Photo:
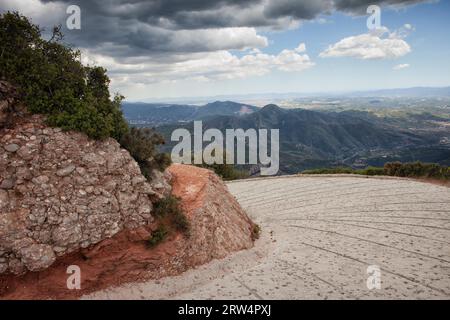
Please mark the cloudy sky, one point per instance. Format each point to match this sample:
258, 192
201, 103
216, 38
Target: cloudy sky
180, 48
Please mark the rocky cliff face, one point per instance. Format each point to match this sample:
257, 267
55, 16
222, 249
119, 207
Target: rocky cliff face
219, 227
61, 191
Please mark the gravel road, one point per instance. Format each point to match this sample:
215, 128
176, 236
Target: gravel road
324, 237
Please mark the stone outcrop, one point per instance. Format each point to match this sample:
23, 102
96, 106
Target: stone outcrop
61, 191
218, 223
218, 227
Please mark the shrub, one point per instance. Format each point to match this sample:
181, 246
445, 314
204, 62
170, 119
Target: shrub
256, 231
397, 169
181, 222
141, 143
417, 169
371, 171
166, 206
170, 209
51, 80
225, 171
391, 168
336, 170
158, 236
162, 161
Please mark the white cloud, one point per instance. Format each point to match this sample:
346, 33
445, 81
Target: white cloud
201, 67
292, 61
408, 26
401, 66
301, 48
374, 45
44, 14
218, 39
402, 32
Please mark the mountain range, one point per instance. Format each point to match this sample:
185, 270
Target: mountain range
152, 114
311, 139
417, 92
412, 92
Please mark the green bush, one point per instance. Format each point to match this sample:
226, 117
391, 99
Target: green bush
226, 171
170, 208
371, 171
336, 170
417, 169
141, 143
181, 222
396, 169
256, 232
391, 168
158, 236
51, 80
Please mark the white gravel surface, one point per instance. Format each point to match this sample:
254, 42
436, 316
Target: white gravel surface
319, 236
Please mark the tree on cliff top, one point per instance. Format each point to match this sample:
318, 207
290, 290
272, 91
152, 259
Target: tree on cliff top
51, 80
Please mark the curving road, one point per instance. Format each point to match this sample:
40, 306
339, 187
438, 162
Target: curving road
321, 235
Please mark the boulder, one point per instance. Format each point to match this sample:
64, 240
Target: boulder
66, 171
61, 192
12, 147
37, 257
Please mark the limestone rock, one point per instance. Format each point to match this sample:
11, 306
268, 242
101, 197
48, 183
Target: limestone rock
61, 192
8, 183
37, 257
160, 183
65, 171
12, 147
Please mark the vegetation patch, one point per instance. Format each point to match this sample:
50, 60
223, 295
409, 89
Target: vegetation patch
142, 143
226, 171
396, 169
370, 171
51, 80
256, 232
157, 236
170, 217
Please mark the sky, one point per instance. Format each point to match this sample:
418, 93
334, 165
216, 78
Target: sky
156, 49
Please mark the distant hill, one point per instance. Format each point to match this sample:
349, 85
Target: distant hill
311, 139
417, 92
251, 98
148, 114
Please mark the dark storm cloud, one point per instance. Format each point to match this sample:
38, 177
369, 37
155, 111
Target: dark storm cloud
300, 9
152, 11
127, 28
360, 6
136, 27
198, 14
